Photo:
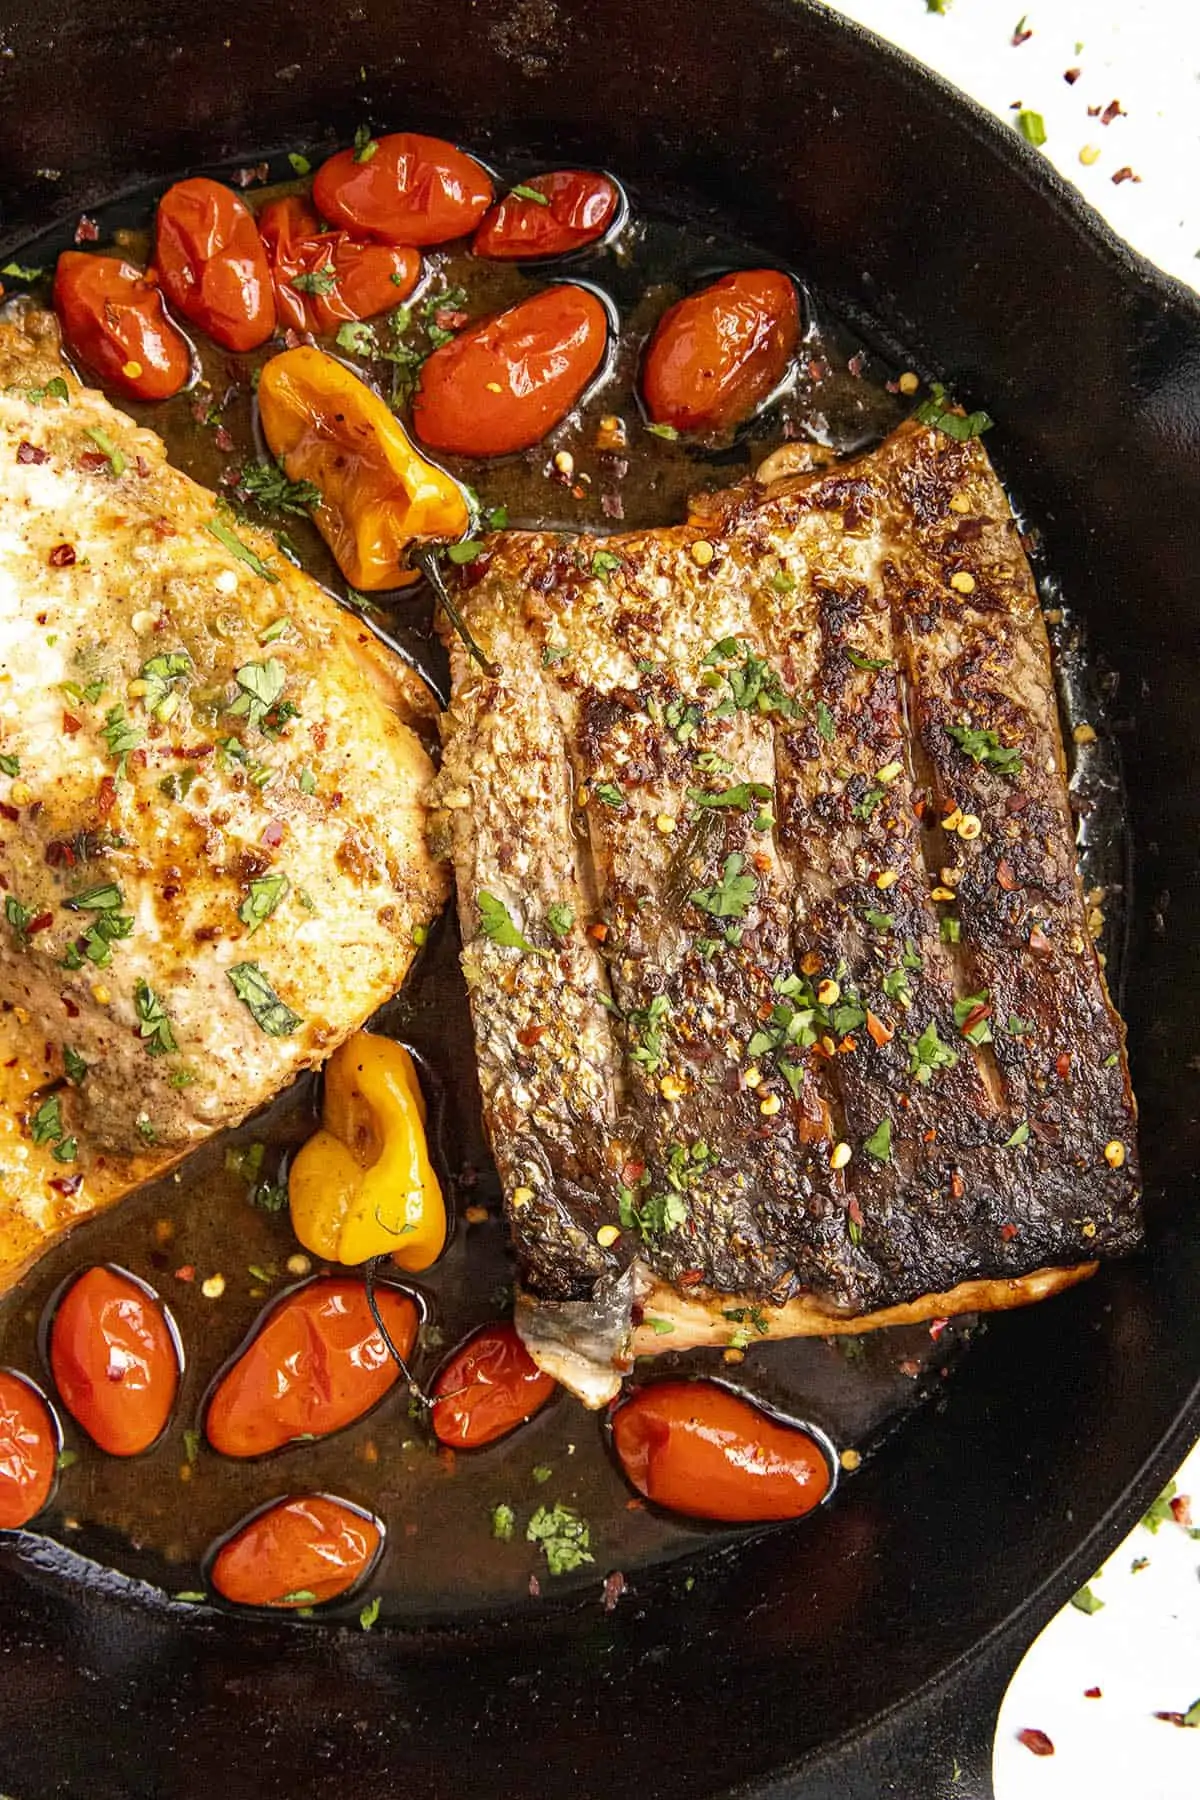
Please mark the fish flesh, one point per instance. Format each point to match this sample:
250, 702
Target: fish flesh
785, 999
212, 807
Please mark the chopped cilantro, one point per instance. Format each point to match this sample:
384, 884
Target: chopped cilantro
315, 281
868, 800
879, 1144
153, 1024
73, 1063
356, 337
783, 581
554, 653
743, 795
261, 685
120, 736
1086, 1602
825, 725
264, 1005
1032, 127
160, 675
10, 765
300, 164
523, 192
560, 918
270, 488
21, 272
879, 921
949, 929
307, 781
1160, 1509
1019, 1136
541, 1473
504, 1521
104, 896
937, 411
264, 896
730, 897
609, 793
983, 746
645, 1026
928, 1053
19, 918
663, 431
465, 552
370, 1613
45, 1125
243, 552
498, 924
866, 662
55, 389
605, 563
976, 1030
117, 461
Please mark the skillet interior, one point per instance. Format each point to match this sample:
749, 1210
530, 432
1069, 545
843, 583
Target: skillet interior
907, 206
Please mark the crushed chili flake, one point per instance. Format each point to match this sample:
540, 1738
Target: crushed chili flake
31, 453
612, 506
69, 1007
222, 439
1021, 34
1125, 174
1062, 1065
62, 555
93, 461
40, 922
1092, 1694
1035, 1740
142, 467
186, 1273
1005, 877
1071, 76
1174, 1718
1114, 110
614, 1586
1008, 1233
9, 812
66, 1184
936, 1328
958, 1186
530, 1035
1039, 943
87, 231
857, 362
71, 724
106, 799
535, 1588
1181, 1505
910, 1368
272, 833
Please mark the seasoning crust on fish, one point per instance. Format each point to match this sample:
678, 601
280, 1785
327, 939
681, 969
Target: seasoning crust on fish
773, 928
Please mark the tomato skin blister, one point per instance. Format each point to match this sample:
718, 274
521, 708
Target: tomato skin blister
487, 1388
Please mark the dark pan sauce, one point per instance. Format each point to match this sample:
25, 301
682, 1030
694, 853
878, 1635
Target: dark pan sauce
152, 1518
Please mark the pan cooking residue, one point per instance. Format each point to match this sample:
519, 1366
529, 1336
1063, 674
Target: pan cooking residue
213, 1239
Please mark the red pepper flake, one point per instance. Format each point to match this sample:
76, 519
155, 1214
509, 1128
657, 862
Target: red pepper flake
936, 1328
186, 1273
817, 370
1008, 1233
1035, 1740
958, 1186
69, 1006
535, 1588
599, 931
1005, 876
1175, 1718
910, 1368
1093, 112
1181, 1505
447, 319
142, 467
614, 1586
31, 453
106, 799
272, 834
1092, 1694
531, 1035
1062, 1066
40, 922
880, 1033
63, 555
87, 231
691, 1277
1021, 33
1125, 174
9, 812
66, 1184
1114, 110
1039, 943
857, 362
71, 724
635, 1506
91, 460
854, 1211
1071, 76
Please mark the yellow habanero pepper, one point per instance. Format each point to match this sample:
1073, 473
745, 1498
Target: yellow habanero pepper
363, 1185
378, 493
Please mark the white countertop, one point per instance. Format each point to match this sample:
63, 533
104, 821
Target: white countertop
1141, 1646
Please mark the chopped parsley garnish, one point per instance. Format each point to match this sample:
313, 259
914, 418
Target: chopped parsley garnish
300, 164
265, 1007
117, 461
783, 581
315, 281
605, 563
465, 552
356, 337
264, 896
504, 1521
65, 1150
91, 693
10, 765
541, 1473
825, 725
524, 192
753, 686
730, 897
950, 930
307, 781
270, 488
1032, 127
105, 896
554, 653
879, 921
19, 917
1018, 1027
983, 746
895, 985
45, 1125
21, 272
927, 1053
563, 1535
743, 795
120, 736
972, 1015
860, 661
73, 1063
370, 1613
1019, 1136
160, 675
658, 1215
153, 1024
879, 1144
911, 958
109, 926
261, 685
867, 801
55, 389
609, 793
646, 1033
498, 924
243, 552
798, 1020
1160, 1509
663, 431
748, 1315
936, 411
560, 918
682, 718
1086, 1602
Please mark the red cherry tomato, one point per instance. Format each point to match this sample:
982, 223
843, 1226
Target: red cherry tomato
580, 209
340, 278
716, 354
508, 380
28, 1451
212, 265
696, 1448
489, 1386
317, 1363
403, 188
113, 323
114, 1360
297, 1553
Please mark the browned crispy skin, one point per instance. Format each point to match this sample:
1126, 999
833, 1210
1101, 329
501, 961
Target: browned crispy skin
810, 796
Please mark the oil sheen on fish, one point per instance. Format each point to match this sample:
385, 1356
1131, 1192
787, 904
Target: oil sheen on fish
786, 1004
212, 844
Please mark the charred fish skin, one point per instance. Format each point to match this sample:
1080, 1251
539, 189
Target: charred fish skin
814, 750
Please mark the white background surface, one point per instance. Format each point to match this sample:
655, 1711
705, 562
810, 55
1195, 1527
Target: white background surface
1142, 1650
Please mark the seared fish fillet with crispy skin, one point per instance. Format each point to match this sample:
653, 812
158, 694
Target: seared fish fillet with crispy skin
791, 1014
212, 846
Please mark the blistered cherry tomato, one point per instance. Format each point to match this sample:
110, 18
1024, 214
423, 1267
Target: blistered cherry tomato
212, 265
297, 1553
716, 354
113, 323
325, 278
578, 208
404, 189
28, 1451
698, 1449
317, 1363
487, 1388
114, 1360
505, 382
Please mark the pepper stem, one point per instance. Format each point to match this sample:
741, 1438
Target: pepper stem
414, 1387
426, 558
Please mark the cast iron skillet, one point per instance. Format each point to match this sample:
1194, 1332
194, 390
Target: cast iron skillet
863, 1653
